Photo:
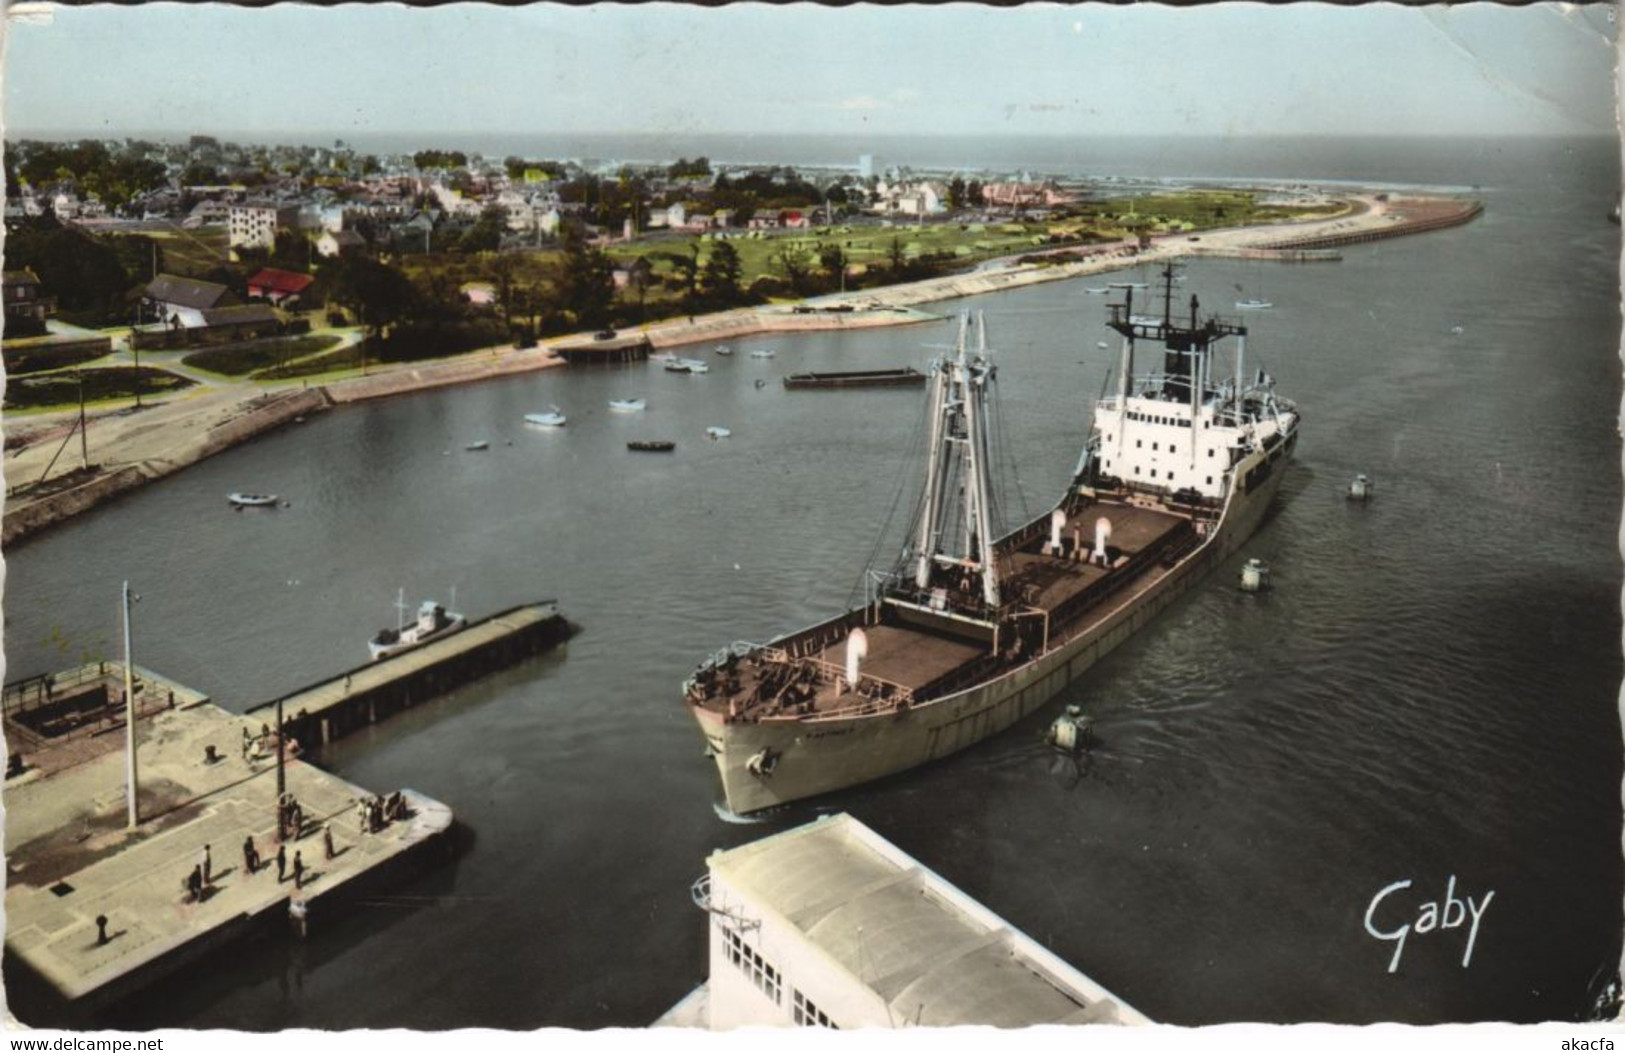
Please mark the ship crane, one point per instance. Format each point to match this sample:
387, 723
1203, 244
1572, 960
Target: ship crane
956, 505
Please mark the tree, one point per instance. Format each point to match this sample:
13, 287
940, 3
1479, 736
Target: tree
486, 233
501, 269
689, 267
956, 194
379, 294
587, 283
640, 273
832, 258
894, 254
789, 261
722, 273
973, 194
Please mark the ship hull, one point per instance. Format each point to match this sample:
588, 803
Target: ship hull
817, 756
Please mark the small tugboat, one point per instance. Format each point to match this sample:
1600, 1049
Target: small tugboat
649, 446
433, 622
252, 500
975, 625
627, 405
554, 419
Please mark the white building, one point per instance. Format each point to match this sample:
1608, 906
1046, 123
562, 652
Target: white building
832, 925
255, 226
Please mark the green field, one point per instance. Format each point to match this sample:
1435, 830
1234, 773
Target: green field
46, 353
236, 360
192, 252
62, 389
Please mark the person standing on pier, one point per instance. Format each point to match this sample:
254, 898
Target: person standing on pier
298, 871
206, 865
327, 839
281, 863
251, 856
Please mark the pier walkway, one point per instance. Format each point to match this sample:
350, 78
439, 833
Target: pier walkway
324, 711
70, 858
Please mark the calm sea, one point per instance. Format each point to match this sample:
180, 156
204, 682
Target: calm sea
1429, 694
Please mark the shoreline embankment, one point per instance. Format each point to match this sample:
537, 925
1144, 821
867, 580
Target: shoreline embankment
189, 437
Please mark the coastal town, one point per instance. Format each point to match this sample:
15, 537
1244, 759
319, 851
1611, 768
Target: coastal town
223, 289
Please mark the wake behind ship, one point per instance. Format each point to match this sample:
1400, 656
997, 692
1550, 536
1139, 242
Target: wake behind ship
966, 634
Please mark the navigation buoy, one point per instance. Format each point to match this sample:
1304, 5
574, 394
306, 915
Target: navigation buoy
1360, 488
1255, 576
1070, 732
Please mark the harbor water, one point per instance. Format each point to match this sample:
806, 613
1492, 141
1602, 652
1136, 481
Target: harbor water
1427, 694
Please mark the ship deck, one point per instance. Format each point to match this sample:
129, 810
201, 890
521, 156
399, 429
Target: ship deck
907, 658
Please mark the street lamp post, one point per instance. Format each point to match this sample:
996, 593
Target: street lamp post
132, 813
281, 777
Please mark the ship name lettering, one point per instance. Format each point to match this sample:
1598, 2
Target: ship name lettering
1448, 913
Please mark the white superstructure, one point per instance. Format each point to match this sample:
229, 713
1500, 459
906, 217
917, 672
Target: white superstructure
1182, 427
831, 925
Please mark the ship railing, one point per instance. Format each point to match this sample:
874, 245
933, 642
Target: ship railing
879, 694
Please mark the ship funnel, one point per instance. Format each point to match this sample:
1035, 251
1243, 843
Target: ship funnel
1057, 520
1103, 533
857, 648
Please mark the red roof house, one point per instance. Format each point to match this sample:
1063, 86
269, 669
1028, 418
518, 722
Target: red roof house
277, 286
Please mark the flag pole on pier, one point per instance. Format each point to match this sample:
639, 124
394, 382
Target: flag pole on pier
133, 817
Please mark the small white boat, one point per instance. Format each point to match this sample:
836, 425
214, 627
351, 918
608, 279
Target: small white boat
554, 419
1101, 291
724, 349
718, 432
252, 500
481, 444
1101, 343
1253, 305
433, 622
627, 405
762, 353
694, 365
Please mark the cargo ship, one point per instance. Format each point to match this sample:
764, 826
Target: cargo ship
973, 628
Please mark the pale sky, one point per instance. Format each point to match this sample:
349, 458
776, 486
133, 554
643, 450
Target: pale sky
1042, 69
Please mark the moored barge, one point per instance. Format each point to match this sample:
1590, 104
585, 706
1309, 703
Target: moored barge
861, 378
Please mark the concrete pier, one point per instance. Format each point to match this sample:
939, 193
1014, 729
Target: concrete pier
368, 693
70, 858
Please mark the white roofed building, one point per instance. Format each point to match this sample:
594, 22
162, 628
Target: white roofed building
831, 925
